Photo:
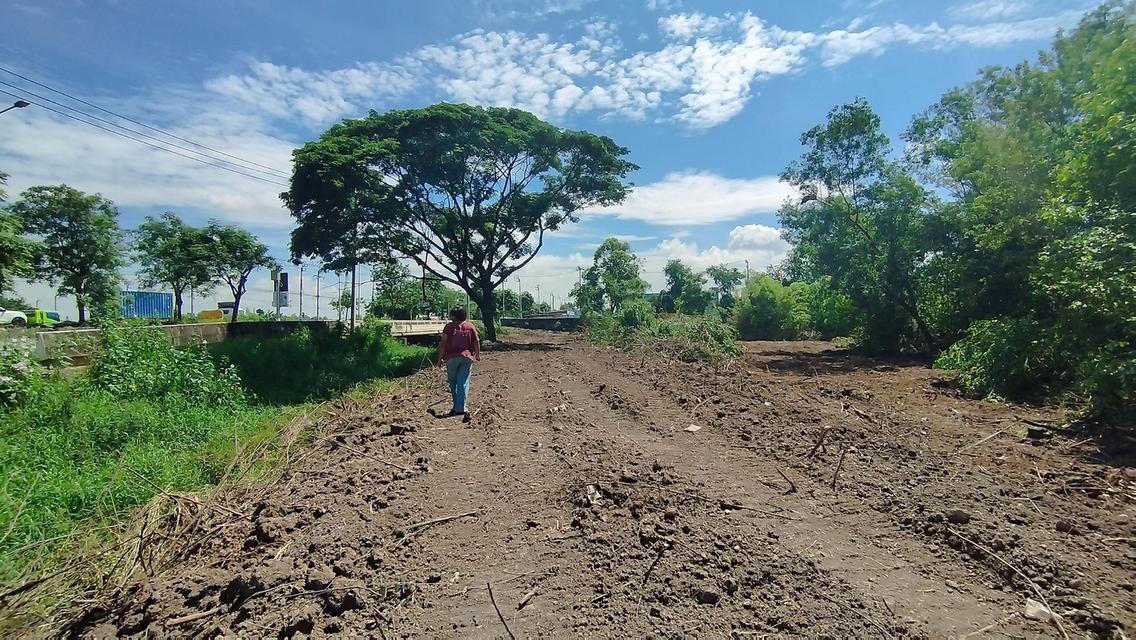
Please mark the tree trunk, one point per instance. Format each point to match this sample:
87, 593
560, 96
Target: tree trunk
488, 305
177, 304
81, 303
237, 303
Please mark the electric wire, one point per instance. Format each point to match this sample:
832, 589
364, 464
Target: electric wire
148, 144
143, 124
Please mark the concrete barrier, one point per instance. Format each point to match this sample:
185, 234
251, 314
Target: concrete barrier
77, 344
564, 323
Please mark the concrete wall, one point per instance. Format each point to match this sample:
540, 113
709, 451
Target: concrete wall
77, 344
545, 324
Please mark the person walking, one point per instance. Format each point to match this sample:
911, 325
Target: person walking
460, 348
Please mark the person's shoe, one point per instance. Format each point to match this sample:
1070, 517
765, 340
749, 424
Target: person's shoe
467, 417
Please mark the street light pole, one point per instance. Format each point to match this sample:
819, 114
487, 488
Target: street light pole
19, 104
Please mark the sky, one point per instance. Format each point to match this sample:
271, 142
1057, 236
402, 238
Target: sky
710, 96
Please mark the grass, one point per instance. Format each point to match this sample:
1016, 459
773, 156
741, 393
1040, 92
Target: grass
79, 456
315, 364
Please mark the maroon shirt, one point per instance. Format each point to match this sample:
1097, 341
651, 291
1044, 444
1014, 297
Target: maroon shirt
460, 339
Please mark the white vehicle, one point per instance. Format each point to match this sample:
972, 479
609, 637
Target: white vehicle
18, 318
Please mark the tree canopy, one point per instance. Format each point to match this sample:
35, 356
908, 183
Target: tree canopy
170, 252
234, 255
80, 246
612, 280
468, 193
16, 251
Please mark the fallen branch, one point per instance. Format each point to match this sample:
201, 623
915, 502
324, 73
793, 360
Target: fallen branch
792, 487
192, 617
839, 464
975, 444
654, 562
1036, 589
498, 609
819, 442
526, 599
422, 525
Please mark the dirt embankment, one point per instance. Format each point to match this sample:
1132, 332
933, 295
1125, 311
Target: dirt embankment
822, 495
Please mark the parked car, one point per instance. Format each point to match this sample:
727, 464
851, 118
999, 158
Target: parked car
17, 318
42, 318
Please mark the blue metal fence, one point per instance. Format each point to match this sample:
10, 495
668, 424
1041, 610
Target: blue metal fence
147, 304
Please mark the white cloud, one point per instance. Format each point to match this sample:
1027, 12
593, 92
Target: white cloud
663, 5
989, 9
839, 47
695, 198
701, 76
40, 148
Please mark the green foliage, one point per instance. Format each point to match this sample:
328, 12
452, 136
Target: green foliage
173, 253
861, 223
685, 291
80, 245
612, 280
768, 311
141, 362
309, 364
701, 338
466, 192
72, 449
1033, 260
233, 255
726, 279
16, 251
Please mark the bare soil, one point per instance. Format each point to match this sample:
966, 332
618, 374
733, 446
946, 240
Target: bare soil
580, 502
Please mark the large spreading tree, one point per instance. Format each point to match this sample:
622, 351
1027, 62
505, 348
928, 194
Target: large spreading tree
80, 246
173, 253
467, 193
612, 280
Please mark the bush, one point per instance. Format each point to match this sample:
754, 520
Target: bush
315, 364
695, 338
1003, 356
767, 311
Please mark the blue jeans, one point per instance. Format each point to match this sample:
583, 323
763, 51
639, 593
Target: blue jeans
458, 370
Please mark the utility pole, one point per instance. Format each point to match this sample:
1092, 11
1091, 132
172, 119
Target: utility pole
747, 271
319, 274
191, 312
301, 290
538, 300
520, 305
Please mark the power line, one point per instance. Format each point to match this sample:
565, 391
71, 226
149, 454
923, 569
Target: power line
131, 131
142, 124
149, 144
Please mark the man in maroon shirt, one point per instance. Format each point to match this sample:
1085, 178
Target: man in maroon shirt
460, 348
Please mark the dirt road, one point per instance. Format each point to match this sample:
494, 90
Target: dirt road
581, 502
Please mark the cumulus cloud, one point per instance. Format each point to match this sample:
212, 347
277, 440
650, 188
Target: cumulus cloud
696, 198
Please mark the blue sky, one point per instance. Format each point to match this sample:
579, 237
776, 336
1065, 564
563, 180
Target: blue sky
710, 97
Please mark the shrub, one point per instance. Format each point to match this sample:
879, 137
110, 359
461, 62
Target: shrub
314, 364
703, 338
767, 311
1002, 356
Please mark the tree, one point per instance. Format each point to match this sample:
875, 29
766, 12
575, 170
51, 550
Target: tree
234, 255
467, 193
725, 279
685, 292
80, 245
172, 253
527, 303
16, 251
860, 221
508, 301
612, 280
